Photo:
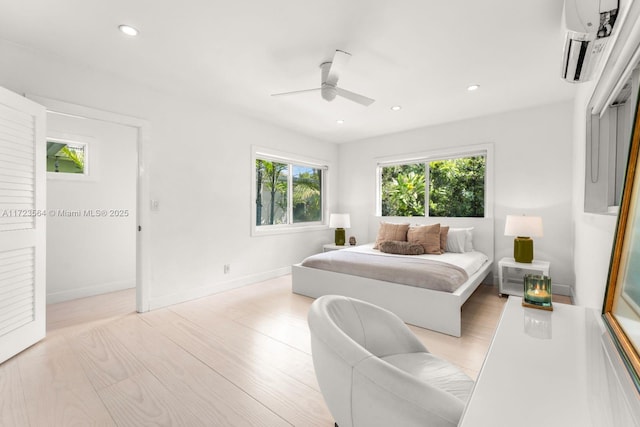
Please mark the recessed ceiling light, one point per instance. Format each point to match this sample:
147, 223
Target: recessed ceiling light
128, 30
340, 122
396, 108
471, 88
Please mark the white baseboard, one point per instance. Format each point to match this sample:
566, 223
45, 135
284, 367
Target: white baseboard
561, 290
215, 288
89, 291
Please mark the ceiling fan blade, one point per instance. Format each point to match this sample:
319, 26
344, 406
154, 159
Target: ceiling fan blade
338, 64
352, 96
295, 92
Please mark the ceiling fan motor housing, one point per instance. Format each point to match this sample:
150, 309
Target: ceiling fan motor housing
327, 91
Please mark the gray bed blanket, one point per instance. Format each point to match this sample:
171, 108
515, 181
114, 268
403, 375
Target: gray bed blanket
408, 270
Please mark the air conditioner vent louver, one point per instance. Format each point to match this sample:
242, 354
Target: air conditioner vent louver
589, 24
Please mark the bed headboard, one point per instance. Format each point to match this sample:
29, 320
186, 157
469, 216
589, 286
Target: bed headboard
483, 233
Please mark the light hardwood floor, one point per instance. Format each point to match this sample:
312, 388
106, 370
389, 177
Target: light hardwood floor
237, 358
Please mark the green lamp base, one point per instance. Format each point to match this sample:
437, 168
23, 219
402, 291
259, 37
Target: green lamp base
340, 237
523, 249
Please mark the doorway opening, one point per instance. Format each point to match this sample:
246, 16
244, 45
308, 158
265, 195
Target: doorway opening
100, 215
91, 207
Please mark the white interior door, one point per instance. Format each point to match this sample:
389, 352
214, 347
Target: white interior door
22, 223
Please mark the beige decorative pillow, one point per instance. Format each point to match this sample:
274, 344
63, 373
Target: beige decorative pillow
389, 231
444, 231
401, 248
426, 235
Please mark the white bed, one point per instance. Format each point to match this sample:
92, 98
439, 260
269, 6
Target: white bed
436, 310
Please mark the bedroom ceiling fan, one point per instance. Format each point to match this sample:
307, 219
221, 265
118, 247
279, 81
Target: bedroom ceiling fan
330, 73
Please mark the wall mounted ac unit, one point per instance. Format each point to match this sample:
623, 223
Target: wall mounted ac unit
588, 23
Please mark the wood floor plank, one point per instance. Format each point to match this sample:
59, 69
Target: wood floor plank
257, 346
283, 327
58, 393
142, 401
13, 409
105, 360
292, 400
87, 312
194, 385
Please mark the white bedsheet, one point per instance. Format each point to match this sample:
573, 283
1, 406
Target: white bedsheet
468, 261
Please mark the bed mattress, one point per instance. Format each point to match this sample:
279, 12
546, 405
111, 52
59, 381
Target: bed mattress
444, 272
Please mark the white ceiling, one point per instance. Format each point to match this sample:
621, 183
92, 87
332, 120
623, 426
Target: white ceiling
421, 54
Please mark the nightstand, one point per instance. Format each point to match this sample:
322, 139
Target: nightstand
511, 274
333, 247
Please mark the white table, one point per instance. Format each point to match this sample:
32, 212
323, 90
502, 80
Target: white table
536, 364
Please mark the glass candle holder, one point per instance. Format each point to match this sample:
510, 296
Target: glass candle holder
537, 291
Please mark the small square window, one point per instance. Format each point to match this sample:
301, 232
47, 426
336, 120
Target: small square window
66, 157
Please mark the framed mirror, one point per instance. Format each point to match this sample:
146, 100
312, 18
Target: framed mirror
621, 309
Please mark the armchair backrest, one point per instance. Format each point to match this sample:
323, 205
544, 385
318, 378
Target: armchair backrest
344, 332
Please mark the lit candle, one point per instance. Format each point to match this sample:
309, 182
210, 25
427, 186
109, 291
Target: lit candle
538, 295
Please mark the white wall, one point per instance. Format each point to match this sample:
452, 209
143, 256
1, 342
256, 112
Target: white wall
532, 170
89, 254
199, 163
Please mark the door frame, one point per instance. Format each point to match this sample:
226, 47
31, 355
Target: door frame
143, 209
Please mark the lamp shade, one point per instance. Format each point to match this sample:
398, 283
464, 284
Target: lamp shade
339, 220
520, 225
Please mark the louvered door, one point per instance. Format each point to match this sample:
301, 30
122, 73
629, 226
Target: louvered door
22, 223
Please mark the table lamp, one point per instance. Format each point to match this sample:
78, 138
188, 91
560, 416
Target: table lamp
339, 221
523, 228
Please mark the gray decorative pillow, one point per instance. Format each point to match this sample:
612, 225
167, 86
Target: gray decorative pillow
401, 248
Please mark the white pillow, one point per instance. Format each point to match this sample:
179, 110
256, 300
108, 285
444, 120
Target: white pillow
468, 243
460, 240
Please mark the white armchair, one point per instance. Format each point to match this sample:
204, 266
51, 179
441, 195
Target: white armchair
373, 371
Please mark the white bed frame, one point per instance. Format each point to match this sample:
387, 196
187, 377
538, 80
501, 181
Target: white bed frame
436, 310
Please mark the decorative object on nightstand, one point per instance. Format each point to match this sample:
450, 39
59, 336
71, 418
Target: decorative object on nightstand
352, 241
523, 228
339, 221
537, 291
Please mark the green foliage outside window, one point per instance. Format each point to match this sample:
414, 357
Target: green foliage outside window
307, 194
456, 188
271, 184
403, 190
65, 158
272, 193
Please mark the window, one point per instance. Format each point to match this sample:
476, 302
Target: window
288, 193
66, 157
609, 131
448, 186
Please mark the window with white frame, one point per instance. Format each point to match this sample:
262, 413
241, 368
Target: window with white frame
438, 185
288, 192
67, 157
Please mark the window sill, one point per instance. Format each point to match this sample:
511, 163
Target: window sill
267, 230
62, 176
